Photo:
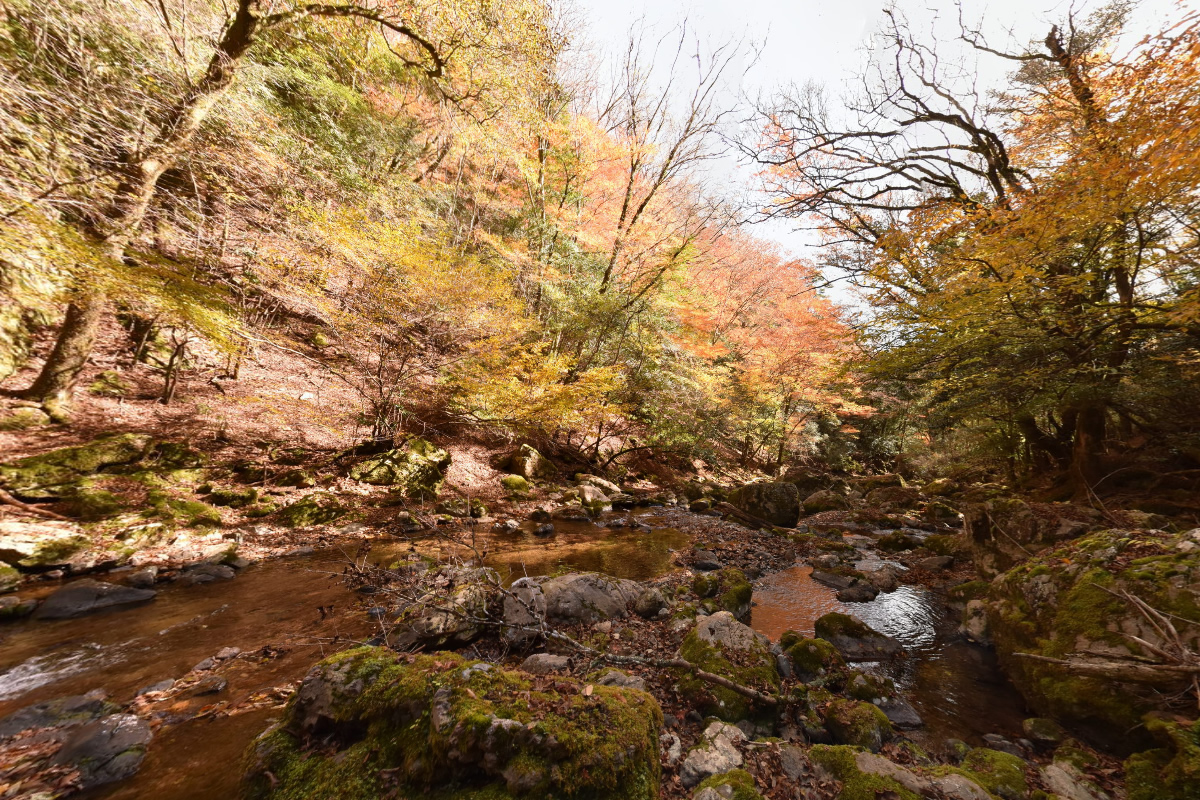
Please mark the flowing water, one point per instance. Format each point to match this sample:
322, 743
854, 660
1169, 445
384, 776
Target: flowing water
279, 614
957, 688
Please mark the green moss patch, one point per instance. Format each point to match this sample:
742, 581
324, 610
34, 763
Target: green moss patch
315, 509
739, 781
856, 723
838, 760
1166, 773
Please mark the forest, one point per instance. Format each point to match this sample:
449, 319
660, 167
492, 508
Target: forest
415, 398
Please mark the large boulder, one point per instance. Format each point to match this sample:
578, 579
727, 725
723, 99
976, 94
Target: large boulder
716, 754
371, 723
452, 614
54, 475
857, 723
825, 500
528, 463
604, 485
726, 590
418, 468
723, 646
594, 501
776, 503
588, 597
88, 597
1003, 531
1071, 602
319, 508
854, 639
40, 544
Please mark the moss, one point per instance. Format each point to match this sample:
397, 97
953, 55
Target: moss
706, 584
736, 592
9, 577
895, 542
382, 739
186, 512
812, 657
96, 504
418, 469
260, 510
862, 686
1002, 774
514, 484
789, 638
856, 723
315, 509
53, 475
838, 760
109, 383
754, 668
300, 478
233, 498
944, 544
740, 781
971, 590
1167, 773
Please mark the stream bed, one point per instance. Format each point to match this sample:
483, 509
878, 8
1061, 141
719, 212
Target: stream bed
286, 613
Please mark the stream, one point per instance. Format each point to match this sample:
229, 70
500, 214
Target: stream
271, 611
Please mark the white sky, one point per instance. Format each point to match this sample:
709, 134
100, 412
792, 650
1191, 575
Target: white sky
822, 40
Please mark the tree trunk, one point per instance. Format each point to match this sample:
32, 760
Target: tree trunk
1089, 446
71, 351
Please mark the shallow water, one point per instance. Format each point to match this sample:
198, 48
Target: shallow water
957, 688
272, 605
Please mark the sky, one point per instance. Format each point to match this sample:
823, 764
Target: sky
823, 40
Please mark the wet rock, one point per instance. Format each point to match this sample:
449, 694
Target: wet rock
88, 597
16, 607
545, 663
524, 609
418, 469
860, 592
623, 501
854, 639
700, 506
997, 742
55, 713
161, 686
109, 749
716, 754
588, 597
723, 646
775, 502
1044, 732
39, 545
883, 579
901, 714
545, 529
209, 684
206, 573
205, 665
507, 526
975, 625
144, 578
383, 731
650, 602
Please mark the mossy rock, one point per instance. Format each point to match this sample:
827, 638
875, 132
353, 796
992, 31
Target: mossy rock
319, 340
53, 475
515, 485
812, 658
185, 512
839, 761
462, 508
109, 383
1066, 599
233, 498
895, 542
24, 419
943, 544
723, 646
96, 504
869, 688
418, 468
370, 723
315, 509
10, 577
857, 723
260, 510
729, 589
733, 785
837, 624
299, 478
1002, 774
39, 544
1171, 772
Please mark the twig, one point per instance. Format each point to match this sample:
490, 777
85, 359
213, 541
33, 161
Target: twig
9, 500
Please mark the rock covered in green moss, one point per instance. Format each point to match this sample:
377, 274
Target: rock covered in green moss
842, 762
1169, 772
811, 658
319, 508
370, 723
527, 462
10, 577
514, 484
53, 475
736, 784
854, 639
729, 590
825, 500
1002, 774
418, 468
857, 723
452, 615
723, 646
1067, 600
39, 545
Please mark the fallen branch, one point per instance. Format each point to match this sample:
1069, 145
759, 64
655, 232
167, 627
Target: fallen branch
1121, 670
9, 500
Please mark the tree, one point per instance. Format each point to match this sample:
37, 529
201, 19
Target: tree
1029, 258
437, 43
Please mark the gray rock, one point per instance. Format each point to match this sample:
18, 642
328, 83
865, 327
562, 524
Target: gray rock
649, 603
860, 592
614, 677
143, 578
878, 765
87, 597
1068, 783
545, 529
161, 686
854, 639
709, 793
776, 503
959, 787
54, 713
207, 573
545, 663
975, 625
39, 544
447, 617
716, 755
795, 763
507, 526
588, 597
901, 713
593, 500
724, 630
706, 560
998, 742
605, 486
673, 747
524, 608
205, 665
934, 563
106, 750
824, 500
784, 666
226, 653
209, 684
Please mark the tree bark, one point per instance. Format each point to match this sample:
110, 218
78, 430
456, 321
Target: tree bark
1089, 446
54, 385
